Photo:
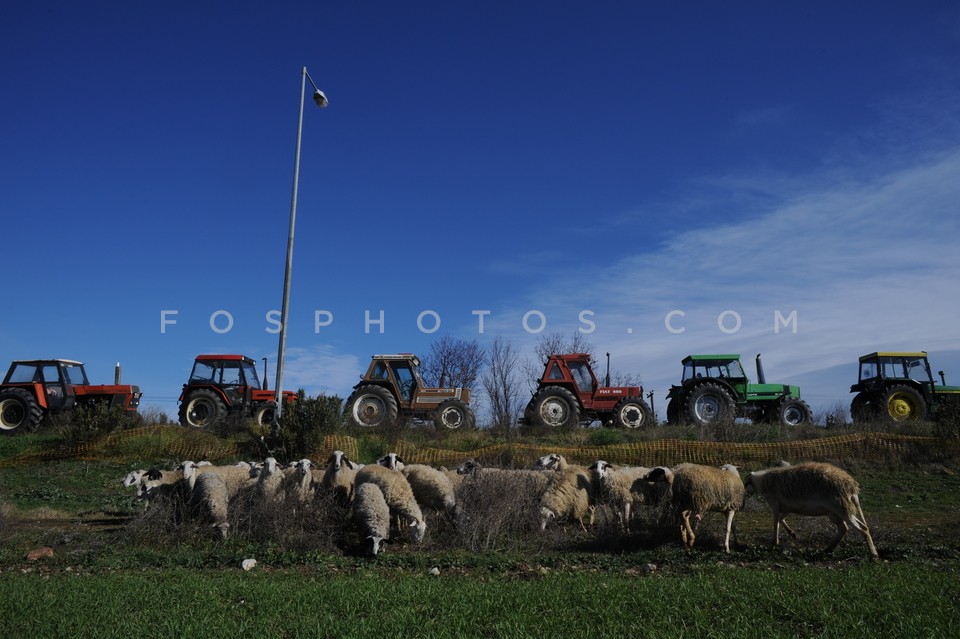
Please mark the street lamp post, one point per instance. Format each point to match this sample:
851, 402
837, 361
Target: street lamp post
321, 101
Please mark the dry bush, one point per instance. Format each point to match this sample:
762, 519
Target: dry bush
499, 510
318, 524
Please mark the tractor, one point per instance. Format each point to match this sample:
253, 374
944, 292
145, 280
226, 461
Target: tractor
715, 388
568, 394
225, 385
392, 388
35, 388
897, 387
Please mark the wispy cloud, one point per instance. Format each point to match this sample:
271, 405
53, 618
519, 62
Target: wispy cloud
321, 369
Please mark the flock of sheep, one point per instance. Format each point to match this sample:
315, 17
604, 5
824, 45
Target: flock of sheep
389, 497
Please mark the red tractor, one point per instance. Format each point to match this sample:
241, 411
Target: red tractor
34, 388
224, 385
568, 393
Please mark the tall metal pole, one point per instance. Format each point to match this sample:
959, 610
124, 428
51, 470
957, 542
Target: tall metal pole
286, 273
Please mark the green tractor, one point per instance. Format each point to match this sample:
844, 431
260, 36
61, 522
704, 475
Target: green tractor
898, 387
715, 388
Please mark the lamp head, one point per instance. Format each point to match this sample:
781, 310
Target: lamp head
320, 98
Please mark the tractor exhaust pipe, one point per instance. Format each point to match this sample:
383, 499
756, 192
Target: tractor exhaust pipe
607, 381
265, 374
761, 378
943, 377
116, 374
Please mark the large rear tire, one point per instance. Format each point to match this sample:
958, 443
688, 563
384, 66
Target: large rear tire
903, 404
673, 412
453, 414
370, 406
19, 411
555, 407
709, 404
793, 412
202, 408
632, 412
863, 408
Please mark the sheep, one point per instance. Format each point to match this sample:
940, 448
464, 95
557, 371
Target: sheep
301, 483
432, 488
340, 477
209, 495
399, 495
372, 515
391, 461
813, 489
553, 461
622, 487
697, 489
156, 483
569, 495
537, 479
270, 480
133, 477
234, 477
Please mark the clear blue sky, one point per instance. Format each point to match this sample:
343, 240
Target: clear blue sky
625, 158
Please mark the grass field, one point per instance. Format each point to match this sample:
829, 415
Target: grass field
118, 573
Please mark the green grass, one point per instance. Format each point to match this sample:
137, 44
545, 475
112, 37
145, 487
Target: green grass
116, 580
716, 601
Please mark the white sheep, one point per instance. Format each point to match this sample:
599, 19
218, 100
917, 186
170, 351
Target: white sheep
340, 477
372, 516
301, 483
234, 477
553, 461
209, 498
537, 480
270, 481
569, 495
812, 489
432, 488
696, 490
399, 495
622, 487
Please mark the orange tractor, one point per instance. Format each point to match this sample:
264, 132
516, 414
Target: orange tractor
35, 388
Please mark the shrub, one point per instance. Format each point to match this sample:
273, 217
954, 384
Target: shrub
304, 423
88, 422
946, 424
499, 510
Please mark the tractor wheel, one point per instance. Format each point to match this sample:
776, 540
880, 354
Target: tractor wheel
18, 411
202, 408
632, 412
863, 408
263, 414
903, 404
709, 403
791, 411
453, 414
371, 406
555, 407
672, 412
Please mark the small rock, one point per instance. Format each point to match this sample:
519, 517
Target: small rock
435, 571
39, 553
650, 567
248, 564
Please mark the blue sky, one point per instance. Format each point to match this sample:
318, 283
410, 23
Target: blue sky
625, 158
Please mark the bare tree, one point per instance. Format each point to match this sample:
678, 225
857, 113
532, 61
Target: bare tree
452, 363
501, 383
558, 343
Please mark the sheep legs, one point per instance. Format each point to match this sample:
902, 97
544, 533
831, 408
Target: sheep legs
686, 530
